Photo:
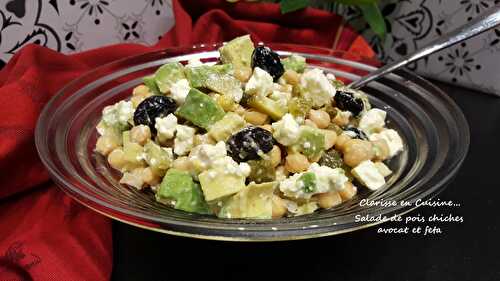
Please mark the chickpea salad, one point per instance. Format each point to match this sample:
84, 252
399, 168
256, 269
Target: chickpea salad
252, 136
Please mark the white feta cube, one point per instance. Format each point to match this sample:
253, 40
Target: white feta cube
179, 91
317, 87
204, 156
118, 115
392, 138
326, 179
383, 169
231, 167
260, 83
287, 130
184, 140
133, 179
281, 97
166, 127
367, 174
372, 121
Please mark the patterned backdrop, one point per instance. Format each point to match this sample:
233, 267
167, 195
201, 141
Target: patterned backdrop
76, 25
414, 23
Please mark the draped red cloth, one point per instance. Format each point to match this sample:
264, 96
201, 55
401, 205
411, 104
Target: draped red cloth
44, 234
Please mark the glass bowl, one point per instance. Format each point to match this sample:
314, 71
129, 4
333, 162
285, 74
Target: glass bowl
434, 130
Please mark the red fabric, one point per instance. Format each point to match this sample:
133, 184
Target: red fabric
45, 235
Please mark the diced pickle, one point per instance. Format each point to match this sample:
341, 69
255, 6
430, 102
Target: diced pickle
261, 170
295, 63
311, 142
299, 106
308, 182
333, 159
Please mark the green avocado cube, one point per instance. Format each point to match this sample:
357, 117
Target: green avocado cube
268, 106
168, 74
225, 84
217, 183
158, 158
238, 52
132, 153
178, 186
311, 142
252, 202
200, 109
294, 62
150, 82
224, 128
198, 76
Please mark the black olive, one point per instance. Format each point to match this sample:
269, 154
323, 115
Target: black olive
346, 101
151, 108
269, 61
246, 144
355, 133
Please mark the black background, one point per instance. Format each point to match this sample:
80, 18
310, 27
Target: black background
465, 251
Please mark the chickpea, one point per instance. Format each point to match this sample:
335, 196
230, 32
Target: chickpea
226, 102
329, 199
381, 149
267, 127
140, 134
341, 119
315, 158
255, 117
281, 173
310, 123
133, 178
279, 207
296, 162
240, 110
275, 156
140, 90
243, 73
283, 88
182, 163
341, 142
105, 144
139, 94
116, 159
203, 139
348, 191
357, 151
288, 88
291, 77
320, 118
330, 138
149, 177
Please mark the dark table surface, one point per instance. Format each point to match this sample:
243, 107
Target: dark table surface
464, 251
